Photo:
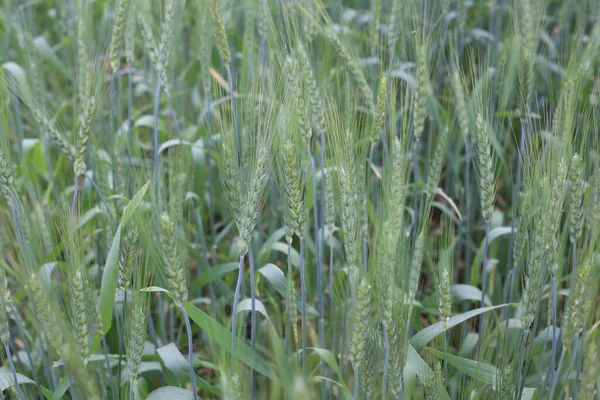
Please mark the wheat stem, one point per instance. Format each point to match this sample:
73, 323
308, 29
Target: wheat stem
155, 140
129, 127
107, 361
188, 327
252, 318
520, 372
483, 282
303, 287
554, 336
318, 240
287, 302
25, 345
356, 388
14, 371
555, 377
386, 361
236, 296
511, 239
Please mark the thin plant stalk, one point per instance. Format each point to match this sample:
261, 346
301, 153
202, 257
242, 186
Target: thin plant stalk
171, 324
155, 140
445, 356
236, 296
14, 372
49, 167
318, 240
303, 284
76, 192
211, 288
190, 351
120, 341
386, 361
331, 281
26, 346
211, 184
173, 115
252, 318
483, 282
321, 247
129, 126
120, 356
514, 207
520, 371
287, 303
554, 336
554, 379
356, 388
161, 311
573, 357
415, 189
111, 378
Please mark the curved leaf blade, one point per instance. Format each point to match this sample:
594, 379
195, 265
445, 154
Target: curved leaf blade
483, 372
421, 338
108, 286
222, 336
171, 393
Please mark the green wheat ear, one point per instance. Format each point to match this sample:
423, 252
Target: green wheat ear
121, 17
219, 32
175, 271
4, 296
379, 110
7, 184
486, 168
580, 303
590, 368
576, 199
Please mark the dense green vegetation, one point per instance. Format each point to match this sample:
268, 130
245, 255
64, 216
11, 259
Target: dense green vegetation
300, 199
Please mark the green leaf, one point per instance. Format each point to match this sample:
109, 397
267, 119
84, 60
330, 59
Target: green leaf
463, 292
61, 389
49, 55
147, 121
113, 360
246, 305
443, 194
178, 371
529, 393
108, 286
222, 336
420, 339
6, 379
171, 393
328, 358
19, 77
278, 280
476, 266
172, 143
153, 289
175, 363
283, 249
483, 372
417, 367
213, 274
33, 156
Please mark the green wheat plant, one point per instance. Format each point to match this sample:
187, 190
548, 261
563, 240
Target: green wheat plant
299, 199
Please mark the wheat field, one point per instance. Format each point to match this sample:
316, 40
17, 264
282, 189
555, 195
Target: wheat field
300, 199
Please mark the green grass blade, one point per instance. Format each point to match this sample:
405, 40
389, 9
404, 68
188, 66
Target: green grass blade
421, 338
111, 268
222, 336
